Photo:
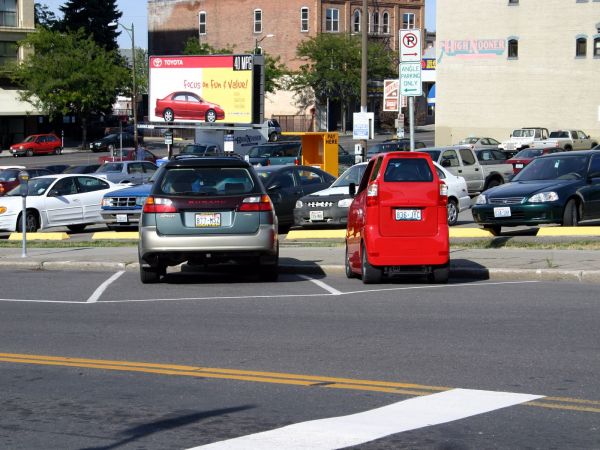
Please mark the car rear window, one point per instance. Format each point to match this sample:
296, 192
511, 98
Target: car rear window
408, 169
110, 167
206, 181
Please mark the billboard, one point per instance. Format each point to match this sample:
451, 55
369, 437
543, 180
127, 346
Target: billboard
211, 88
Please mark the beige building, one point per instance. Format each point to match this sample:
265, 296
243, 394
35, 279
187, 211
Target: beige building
17, 118
507, 64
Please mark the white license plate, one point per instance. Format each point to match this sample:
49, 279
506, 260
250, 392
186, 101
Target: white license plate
208, 220
502, 211
122, 218
519, 166
316, 215
408, 214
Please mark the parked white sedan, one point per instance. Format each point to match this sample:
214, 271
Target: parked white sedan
69, 200
458, 196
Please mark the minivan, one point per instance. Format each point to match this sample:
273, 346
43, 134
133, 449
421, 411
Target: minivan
398, 221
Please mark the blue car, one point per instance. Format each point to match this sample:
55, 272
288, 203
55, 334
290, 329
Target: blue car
123, 208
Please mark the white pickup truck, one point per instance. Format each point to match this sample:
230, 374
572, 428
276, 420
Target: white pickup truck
524, 138
567, 139
481, 169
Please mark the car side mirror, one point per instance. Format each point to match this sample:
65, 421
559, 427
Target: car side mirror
53, 193
352, 189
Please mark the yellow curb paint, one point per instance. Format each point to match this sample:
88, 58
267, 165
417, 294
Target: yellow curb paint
116, 235
316, 234
469, 233
569, 231
39, 236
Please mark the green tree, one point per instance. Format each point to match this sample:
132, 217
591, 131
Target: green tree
44, 16
98, 18
332, 67
141, 70
194, 47
69, 74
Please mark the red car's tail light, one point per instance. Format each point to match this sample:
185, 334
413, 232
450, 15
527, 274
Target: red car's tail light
159, 205
296, 162
256, 203
372, 194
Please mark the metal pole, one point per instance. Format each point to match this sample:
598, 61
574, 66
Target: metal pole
411, 120
327, 118
120, 141
24, 228
363, 67
134, 92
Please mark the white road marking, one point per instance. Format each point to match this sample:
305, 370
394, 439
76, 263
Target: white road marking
100, 290
355, 429
319, 283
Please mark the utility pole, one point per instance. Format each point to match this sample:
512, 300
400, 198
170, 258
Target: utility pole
363, 68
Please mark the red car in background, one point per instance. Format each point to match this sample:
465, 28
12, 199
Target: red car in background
527, 155
37, 144
398, 222
187, 105
9, 176
129, 154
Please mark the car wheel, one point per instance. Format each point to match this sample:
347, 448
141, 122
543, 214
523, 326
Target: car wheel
269, 272
150, 274
593, 145
57, 151
452, 211
568, 148
494, 229
273, 137
29, 152
439, 274
570, 214
31, 222
370, 274
349, 272
78, 228
168, 115
210, 116
493, 183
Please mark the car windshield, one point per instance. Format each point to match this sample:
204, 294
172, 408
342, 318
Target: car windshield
30, 139
37, 187
435, 154
193, 149
8, 175
559, 134
529, 153
471, 140
351, 175
196, 181
554, 168
523, 133
110, 167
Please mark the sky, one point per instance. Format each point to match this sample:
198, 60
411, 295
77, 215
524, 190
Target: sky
134, 12
430, 15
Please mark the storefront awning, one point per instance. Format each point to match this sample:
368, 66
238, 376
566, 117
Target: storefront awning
431, 96
10, 105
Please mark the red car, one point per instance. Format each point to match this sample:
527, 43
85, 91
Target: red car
398, 222
187, 105
129, 154
527, 155
9, 176
38, 144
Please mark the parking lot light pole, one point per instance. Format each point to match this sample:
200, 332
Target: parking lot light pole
258, 41
131, 33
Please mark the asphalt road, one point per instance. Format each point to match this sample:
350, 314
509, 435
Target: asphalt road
226, 356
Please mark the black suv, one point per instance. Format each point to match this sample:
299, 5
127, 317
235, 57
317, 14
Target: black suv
207, 210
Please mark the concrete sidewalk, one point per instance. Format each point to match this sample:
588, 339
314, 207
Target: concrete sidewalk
492, 264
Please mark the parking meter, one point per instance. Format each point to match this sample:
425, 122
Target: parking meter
24, 189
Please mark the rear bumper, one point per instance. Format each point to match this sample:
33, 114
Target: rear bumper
408, 251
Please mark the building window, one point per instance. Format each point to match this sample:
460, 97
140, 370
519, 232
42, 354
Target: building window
597, 47
408, 21
385, 25
581, 47
513, 49
8, 52
202, 22
375, 28
304, 19
258, 20
356, 21
332, 20
513, 2
8, 13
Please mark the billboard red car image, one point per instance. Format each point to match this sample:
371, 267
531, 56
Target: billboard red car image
187, 105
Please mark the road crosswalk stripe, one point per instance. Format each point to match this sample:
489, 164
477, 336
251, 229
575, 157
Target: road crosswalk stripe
356, 429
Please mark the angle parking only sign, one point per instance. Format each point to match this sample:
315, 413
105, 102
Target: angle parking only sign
410, 62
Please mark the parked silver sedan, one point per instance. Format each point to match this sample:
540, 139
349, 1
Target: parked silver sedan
135, 172
476, 142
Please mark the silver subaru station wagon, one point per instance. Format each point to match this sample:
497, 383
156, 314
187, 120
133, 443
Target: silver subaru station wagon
208, 211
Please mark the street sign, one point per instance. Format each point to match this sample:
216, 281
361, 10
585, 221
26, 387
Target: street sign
168, 138
363, 126
410, 45
391, 95
410, 79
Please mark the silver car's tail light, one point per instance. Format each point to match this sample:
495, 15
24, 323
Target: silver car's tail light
159, 205
256, 203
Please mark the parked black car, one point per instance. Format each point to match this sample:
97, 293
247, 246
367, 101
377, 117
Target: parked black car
86, 168
393, 145
112, 141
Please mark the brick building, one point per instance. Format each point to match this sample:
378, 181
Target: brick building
277, 26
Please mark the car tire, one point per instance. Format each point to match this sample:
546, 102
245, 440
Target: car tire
31, 222
168, 115
568, 148
269, 272
29, 152
452, 211
570, 214
77, 228
210, 116
57, 151
273, 137
594, 144
348, 267
150, 275
370, 274
493, 183
439, 274
496, 230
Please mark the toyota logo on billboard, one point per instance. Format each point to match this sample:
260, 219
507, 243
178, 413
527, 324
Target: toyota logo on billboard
157, 62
